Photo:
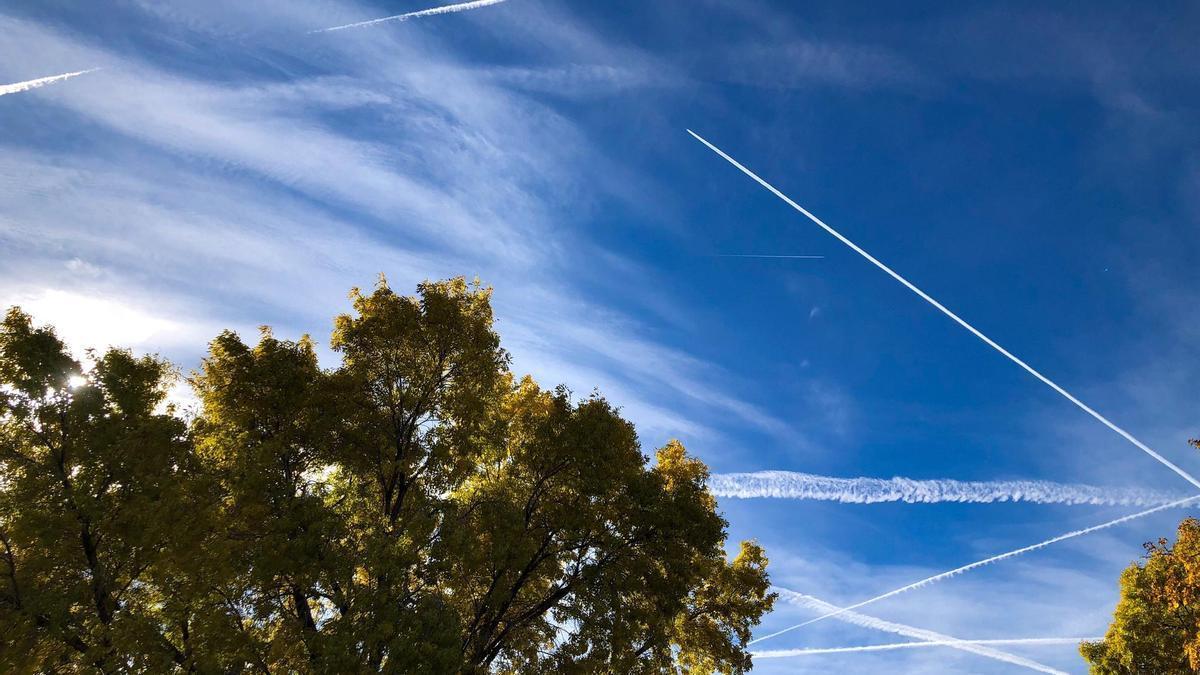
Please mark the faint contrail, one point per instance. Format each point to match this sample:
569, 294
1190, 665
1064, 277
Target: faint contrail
866, 621
445, 9
40, 82
924, 296
756, 255
785, 653
794, 485
987, 561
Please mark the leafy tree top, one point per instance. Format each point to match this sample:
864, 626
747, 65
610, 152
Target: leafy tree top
416, 509
1156, 626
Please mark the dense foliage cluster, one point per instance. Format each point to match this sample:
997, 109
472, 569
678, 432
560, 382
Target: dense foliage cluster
416, 509
1156, 627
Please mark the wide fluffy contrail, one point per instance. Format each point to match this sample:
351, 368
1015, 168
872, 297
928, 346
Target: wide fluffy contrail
786, 653
974, 331
803, 600
444, 9
795, 485
986, 561
18, 87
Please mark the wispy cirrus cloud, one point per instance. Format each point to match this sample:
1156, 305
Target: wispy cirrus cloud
583, 81
94, 321
274, 208
802, 62
866, 621
1187, 501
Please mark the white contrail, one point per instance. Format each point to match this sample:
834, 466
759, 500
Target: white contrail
786, 653
924, 296
987, 561
866, 621
445, 9
795, 485
40, 82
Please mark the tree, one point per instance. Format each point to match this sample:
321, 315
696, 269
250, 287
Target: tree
1156, 627
416, 509
93, 493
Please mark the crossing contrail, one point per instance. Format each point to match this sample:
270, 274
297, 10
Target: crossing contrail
987, 561
18, 87
803, 600
445, 9
795, 485
974, 331
786, 653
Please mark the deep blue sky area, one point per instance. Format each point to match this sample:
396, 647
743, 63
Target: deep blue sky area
1034, 167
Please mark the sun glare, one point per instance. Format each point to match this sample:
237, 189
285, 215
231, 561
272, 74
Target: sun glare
93, 321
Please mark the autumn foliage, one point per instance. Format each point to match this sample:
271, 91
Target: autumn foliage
1156, 627
418, 509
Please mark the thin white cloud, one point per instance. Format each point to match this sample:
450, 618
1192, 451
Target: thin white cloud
40, 82
986, 561
796, 485
86, 321
758, 255
1003, 642
237, 228
580, 81
795, 62
942, 308
397, 176
611, 338
433, 11
866, 621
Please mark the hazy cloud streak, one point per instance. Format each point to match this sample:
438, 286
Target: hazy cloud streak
756, 255
795, 485
18, 87
974, 331
867, 621
445, 9
986, 561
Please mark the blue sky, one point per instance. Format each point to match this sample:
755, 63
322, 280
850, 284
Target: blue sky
1037, 169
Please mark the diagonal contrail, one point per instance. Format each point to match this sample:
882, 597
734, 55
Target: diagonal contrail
987, 561
445, 9
866, 621
786, 653
974, 331
796, 485
18, 87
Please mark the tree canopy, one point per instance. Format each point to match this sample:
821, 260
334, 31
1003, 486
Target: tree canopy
1156, 626
417, 509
